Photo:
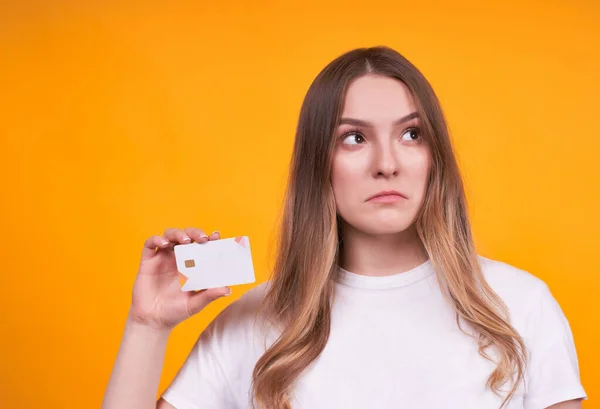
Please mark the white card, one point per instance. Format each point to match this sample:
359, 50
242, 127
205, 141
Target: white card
215, 263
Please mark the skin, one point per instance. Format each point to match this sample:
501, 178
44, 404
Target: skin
381, 238
570, 404
379, 154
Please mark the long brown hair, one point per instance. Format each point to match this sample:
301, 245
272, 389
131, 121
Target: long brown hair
298, 298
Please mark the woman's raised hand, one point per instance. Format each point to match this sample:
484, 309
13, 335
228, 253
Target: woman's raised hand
157, 299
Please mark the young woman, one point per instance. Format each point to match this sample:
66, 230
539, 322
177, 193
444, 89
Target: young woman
378, 297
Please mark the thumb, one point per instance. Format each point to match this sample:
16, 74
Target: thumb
201, 299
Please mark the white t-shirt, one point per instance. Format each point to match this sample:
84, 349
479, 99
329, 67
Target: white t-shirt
394, 343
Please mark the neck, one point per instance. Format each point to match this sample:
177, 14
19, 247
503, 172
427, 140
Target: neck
381, 254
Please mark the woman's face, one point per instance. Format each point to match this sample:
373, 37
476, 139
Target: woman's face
379, 147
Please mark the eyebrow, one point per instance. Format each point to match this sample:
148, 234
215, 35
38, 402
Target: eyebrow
367, 124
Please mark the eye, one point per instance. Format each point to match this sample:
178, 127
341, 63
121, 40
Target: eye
353, 138
413, 133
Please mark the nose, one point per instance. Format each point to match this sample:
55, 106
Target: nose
385, 161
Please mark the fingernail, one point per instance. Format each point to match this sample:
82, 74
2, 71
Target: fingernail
187, 239
164, 242
227, 294
204, 236
216, 231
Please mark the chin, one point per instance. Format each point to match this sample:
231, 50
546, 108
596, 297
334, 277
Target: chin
382, 226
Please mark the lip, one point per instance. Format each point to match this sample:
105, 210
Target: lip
386, 196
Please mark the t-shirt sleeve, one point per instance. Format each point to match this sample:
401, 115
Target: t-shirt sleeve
201, 382
553, 369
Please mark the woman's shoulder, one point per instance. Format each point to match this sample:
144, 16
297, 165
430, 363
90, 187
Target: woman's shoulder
509, 279
245, 309
250, 300
519, 289
242, 320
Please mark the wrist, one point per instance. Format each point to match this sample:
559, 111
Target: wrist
147, 327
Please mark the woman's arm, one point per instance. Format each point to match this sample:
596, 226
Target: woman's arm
136, 373
570, 404
158, 305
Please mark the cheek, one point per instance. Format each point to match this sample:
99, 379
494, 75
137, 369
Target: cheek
418, 172
345, 174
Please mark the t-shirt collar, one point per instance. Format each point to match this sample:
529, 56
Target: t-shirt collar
350, 279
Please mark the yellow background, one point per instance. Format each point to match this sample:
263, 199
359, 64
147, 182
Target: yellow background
120, 119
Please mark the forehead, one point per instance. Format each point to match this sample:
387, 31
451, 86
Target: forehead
376, 97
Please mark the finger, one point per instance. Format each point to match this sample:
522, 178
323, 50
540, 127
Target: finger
196, 234
201, 299
215, 235
151, 244
176, 236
